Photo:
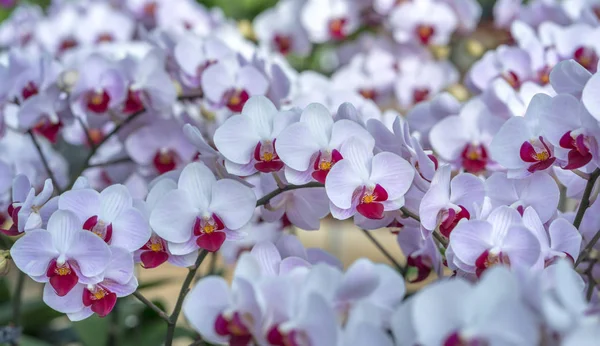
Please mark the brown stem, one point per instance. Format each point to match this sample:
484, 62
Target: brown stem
401, 268
185, 288
44, 160
264, 200
152, 306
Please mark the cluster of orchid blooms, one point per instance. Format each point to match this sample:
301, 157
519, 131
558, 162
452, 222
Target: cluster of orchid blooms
200, 140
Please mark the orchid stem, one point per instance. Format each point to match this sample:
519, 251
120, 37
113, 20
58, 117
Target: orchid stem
581, 174
185, 288
585, 200
16, 299
410, 214
112, 162
401, 269
280, 183
264, 200
95, 148
588, 248
44, 160
591, 281
151, 305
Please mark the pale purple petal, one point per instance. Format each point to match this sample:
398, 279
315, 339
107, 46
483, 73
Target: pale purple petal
85, 203
72, 302
201, 312
174, 216
90, 252
233, 202
393, 173
33, 252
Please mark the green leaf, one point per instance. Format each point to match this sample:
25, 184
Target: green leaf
26, 340
93, 331
34, 315
4, 291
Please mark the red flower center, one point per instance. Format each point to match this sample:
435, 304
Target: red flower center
62, 277
99, 228
236, 99
579, 149
97, 101
425, 33
266, 157
474, 158
337, 28
323, 164
370, 205
209, 231
235, 327
538, 154
283, 43
100, 299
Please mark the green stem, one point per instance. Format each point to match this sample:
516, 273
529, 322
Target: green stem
16, 299
440, 238
112, 162
151, 305
185, 288
264, 200
94, 149
585, 200
44, 160
401, 268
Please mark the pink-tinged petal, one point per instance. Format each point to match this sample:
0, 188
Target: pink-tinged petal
521, 245
436, 198
267, 256
236, 139
174, 216
307, 208
470, 239
20, 188
63, 226
90, 252
359, 156
318, 320
80, 315
568, 77
542, 193
506, 145
360, 280
202, 312
502, 218
296, 146
216, 80
261, 112
589, 96
33, 252
449, 137
467, 190
211, 241
69, 303
130, 230
84, 202
122, 290
114, 199
158, 191
441, 306
197, 180
120, 267
289, 245
532, 221
564, 237
300, 177
365, 334
183, 260
393, 173
233, 202
319, 122
292, 263
341, 183
344, 129
340, 213
250, 79
181, 249
320, 256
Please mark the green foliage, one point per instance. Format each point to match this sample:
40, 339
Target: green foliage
240, 9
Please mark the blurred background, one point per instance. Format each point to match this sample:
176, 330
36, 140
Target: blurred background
43, 326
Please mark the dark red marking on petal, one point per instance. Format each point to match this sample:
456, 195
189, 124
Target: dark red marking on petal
211, 241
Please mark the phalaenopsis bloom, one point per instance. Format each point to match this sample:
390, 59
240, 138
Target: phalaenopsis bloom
141, 135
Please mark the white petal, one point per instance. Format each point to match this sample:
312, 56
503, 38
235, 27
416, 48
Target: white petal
197, 180
233, 202
174, 216
114, 199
